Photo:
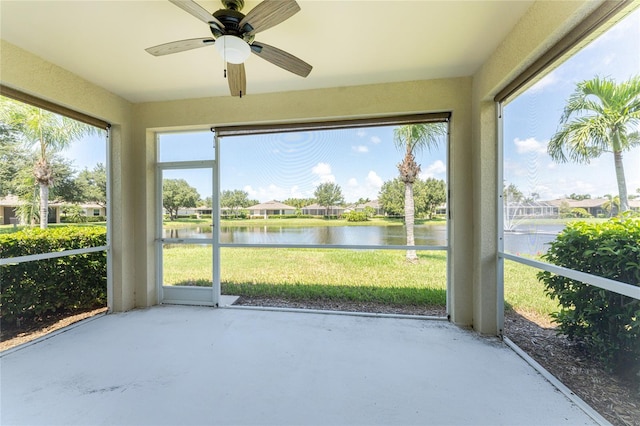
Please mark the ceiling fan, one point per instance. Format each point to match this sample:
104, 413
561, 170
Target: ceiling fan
234, 37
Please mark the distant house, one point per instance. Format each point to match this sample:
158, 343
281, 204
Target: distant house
8, 207
533, 209
10, 204
94, 209
551, 208
318, 210
595, 206
270, 208
207, 211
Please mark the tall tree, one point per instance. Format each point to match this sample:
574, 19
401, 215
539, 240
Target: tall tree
391, 197
12, 159
428, 195
93, 184
328, 195
612, 203
48, 133
25, 186
578, 197
512, 195
235, 199
433, 193
412, 139
299, 203
600, 116
176, 194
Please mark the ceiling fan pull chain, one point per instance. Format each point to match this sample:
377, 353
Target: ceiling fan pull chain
225, 70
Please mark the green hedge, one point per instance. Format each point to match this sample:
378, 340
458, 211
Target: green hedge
32, 290
356, 217
607, 323
290, 216
76, 219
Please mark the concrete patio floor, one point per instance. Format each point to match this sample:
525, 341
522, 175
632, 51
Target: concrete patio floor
178, 365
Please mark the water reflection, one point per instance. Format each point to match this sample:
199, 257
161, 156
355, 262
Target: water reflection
530, 240
325, 235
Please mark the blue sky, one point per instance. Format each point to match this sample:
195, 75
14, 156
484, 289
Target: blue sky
280, 166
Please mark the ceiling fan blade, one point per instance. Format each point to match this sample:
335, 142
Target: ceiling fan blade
180, 46
268, 14
198, 11
237, 79
281, 58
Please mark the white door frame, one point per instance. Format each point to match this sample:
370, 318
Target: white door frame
209, 296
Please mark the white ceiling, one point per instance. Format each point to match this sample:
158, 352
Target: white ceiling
347, 42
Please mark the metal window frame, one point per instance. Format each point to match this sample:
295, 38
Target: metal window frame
74, 252
230, 131
200, 295
605, 13
182, 294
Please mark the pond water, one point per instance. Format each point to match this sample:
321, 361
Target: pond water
528, 240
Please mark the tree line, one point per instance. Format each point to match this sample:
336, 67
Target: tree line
31, 168
19, 166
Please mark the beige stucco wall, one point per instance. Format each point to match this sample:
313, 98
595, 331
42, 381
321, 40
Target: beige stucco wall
26, 72
473, 176
542, 26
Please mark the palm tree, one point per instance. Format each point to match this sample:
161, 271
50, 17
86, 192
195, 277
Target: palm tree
611, 204
48, 133
600, 116
412, 139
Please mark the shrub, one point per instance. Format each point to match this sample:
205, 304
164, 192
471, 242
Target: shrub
354, 216
32, 290
607, 323
96, 219
183, 216
289, 216
577, 212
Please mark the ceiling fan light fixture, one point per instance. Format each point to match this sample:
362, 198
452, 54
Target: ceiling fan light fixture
233, 49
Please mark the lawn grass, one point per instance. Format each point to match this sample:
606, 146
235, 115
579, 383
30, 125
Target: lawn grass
523, 293
381, 276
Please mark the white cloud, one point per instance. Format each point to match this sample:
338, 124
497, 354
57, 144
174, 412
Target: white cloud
323, 171
530, 145
363, 188
375, 139
274, 192
433, 169
360, 148
361, 133
249, 190
546, 81
373, 180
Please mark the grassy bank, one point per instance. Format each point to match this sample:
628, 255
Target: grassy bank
381, 276
375, 276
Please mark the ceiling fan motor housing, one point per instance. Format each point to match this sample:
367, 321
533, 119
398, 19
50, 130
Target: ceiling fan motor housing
231, 20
